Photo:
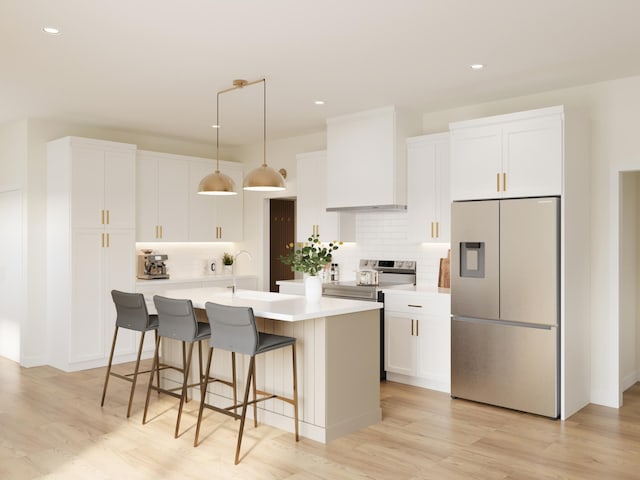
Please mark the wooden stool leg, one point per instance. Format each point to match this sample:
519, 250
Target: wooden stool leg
183, 397
203, 393
233, 381
158, 370
153, 367
295, 389
255, 403
106, 378
250, 374
135, 375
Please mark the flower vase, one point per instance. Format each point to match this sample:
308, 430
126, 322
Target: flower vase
313, 288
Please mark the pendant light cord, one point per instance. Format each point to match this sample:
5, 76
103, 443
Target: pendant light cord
264, 123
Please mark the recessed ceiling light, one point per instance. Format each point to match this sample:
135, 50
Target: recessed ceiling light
319, 102
51, 30
477, 66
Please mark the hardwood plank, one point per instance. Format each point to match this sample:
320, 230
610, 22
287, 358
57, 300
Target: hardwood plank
52, 426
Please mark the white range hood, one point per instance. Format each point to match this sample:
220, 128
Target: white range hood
366, 160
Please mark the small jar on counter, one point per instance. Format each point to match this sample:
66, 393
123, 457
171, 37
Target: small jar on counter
334, 273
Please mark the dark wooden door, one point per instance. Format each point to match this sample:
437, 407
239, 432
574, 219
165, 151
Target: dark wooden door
282, 232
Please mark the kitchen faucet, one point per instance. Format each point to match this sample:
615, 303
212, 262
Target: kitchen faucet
234, 287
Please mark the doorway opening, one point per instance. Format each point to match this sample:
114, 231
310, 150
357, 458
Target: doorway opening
282, 228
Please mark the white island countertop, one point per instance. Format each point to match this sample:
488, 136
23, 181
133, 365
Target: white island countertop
275, 306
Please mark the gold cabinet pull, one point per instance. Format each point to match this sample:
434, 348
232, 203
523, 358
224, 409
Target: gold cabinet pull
431, 229
220, 232
160, 231
504, 182
107, 217
412, 327
156, 231
437, 229
497, 182
102, 240
108, 240
101, 217
417, 327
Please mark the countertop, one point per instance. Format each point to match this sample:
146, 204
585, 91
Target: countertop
276, 306
190, 279
417, 289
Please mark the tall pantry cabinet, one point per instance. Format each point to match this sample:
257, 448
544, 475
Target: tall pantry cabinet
91, 201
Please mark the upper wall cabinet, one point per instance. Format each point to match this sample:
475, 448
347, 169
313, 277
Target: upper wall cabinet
366, 159
508, 156
214, 218
428, 198
162, 197
312, 217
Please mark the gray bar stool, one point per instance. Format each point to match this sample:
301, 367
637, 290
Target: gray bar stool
177, 320
132, 314
234, 329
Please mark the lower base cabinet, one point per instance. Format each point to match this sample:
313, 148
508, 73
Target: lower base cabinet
418, 339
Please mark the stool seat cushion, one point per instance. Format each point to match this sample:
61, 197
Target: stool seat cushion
269, 341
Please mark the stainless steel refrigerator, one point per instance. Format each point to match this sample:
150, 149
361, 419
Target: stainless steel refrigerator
505, 280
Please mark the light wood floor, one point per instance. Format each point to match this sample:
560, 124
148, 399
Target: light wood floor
52, 426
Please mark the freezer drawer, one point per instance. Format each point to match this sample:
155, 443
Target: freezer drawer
506, 365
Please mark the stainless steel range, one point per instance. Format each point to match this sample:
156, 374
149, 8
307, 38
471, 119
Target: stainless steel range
387, 273
372, 277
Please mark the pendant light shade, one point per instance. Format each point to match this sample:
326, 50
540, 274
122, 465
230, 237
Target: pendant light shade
217, 183
264, 179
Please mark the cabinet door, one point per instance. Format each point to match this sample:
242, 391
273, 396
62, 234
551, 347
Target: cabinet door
532, 157
399, 340
203, 226
146, 198
87, 325
230, 208
87, 194
428, 188
476, 163
119, 274
312, 216
434, 349
173, 200
120, 189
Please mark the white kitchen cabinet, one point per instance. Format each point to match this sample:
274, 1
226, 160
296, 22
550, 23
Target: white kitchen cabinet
87, 258
418, 339
215, 218
428, 198
508, 156
162, 197
311, 215
366, 158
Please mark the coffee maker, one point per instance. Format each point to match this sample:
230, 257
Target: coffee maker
152, 266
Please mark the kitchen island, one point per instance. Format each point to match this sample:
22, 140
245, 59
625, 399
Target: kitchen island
338, 359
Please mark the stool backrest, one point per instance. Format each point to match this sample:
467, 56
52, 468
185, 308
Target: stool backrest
131, 310
232, 328
176, 318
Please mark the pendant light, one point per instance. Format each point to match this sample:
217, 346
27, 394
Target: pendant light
217, 183
264, 178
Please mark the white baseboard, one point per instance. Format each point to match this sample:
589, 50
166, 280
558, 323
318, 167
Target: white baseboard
629, 381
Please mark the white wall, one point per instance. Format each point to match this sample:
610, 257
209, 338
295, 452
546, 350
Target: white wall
13, 258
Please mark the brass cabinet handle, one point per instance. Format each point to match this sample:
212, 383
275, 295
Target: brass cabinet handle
414, 305
101, 217
220, 237
437, 229
497, 182
102, 240
160, 231
156, 231
504, 182
108, 240
412, 327
431, 229
108, 217
417, 328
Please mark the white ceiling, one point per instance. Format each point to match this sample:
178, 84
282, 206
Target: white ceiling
155, 65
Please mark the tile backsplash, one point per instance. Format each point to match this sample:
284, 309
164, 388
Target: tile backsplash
383, 235
379, 235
